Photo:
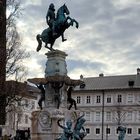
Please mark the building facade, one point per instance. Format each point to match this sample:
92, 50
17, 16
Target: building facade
19, 111
108, 102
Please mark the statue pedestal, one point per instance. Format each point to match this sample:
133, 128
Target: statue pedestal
56, 68
56, 64
44, 123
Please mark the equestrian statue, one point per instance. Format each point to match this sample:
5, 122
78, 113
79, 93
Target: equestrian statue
57, 26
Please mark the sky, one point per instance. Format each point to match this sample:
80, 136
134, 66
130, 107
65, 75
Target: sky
107, 40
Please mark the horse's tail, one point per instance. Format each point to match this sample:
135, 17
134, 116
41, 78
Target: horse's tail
39, 42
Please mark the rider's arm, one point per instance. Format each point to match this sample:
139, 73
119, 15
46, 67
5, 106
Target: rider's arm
47, 18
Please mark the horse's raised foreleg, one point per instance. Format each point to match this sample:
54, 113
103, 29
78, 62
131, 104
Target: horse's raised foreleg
71, 20
39, 42
76, 23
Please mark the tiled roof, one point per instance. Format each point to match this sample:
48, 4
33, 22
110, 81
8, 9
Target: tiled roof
110, 82
20, 88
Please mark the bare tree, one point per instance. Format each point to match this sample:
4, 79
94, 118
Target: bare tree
14, 53
119, 114
11, 54
14, 113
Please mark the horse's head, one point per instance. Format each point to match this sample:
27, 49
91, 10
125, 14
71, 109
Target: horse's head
62, 11
66, 10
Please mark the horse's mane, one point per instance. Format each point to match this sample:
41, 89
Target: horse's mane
59, 10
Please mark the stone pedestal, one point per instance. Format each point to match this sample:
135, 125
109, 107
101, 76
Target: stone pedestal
56, 64
44, 122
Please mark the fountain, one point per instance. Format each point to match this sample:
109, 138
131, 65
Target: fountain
46, 122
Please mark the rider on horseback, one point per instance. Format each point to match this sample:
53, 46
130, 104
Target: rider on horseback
50, 19
57, 25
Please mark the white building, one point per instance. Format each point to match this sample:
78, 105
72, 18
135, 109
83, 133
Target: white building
109, 101
19, 112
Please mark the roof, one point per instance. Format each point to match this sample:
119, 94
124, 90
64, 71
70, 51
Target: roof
22, 89
111, 82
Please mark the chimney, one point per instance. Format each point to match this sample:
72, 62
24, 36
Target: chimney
138, 71
81, 77
101, 75
83, 84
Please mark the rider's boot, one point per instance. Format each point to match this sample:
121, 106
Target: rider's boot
53, 31
63, 39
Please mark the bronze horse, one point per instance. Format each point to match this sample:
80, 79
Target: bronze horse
61, 24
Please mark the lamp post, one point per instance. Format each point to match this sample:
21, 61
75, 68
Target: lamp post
103, 114
107, 132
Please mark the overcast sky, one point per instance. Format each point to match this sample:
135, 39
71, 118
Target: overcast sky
107, 41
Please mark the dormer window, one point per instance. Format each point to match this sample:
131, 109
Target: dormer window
131, 83
82, 85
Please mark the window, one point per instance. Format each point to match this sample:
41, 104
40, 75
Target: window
108, 116
108, 100
129, 116
97, 130
19, 103
107, 130
119, 98
139, 98
87, 116
139, 115
26, 102
26, 119
131, 83
98, 115
129, 130
117, 131
98, 99
33, 104
130, 98
19, 117
88, 99
88, 130
78, 99
138, 130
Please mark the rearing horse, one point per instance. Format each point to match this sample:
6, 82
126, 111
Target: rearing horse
61, 24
